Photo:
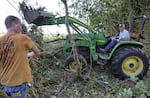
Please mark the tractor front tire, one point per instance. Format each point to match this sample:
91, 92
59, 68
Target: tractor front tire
71, 64
130, 61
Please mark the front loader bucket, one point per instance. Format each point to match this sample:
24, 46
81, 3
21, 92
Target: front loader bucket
35, 16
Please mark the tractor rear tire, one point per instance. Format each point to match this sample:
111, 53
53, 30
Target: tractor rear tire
72, 66
130, 61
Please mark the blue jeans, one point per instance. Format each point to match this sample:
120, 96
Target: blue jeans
19, 91
110, 45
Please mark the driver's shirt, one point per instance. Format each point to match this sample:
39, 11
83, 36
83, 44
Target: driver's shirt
14, 65
124, 35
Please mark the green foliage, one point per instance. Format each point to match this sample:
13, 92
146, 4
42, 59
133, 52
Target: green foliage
139, 91
147, 47
105, 15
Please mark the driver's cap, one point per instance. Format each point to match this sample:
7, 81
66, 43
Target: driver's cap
122, 25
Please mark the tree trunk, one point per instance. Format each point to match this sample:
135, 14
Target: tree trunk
75, 53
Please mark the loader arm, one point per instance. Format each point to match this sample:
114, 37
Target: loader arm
60, 20
41, 17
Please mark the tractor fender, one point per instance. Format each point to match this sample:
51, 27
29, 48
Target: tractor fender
122, 44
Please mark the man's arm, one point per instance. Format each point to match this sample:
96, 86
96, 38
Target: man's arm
34, 51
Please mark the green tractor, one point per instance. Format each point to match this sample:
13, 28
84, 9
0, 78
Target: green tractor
126, 58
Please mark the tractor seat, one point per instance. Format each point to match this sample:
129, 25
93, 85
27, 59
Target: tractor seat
135, 35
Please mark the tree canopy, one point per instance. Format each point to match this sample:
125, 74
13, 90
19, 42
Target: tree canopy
105, 15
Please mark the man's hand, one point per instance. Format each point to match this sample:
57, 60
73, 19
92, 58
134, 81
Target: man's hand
30, 54
113, 38
35, 52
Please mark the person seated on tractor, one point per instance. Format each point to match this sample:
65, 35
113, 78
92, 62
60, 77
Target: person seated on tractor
123, 35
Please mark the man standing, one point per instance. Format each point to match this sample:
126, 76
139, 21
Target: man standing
14, 66
123, 35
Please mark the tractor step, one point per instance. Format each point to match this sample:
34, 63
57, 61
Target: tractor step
103, 56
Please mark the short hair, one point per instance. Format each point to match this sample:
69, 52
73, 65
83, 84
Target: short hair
122, 25
11, 19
